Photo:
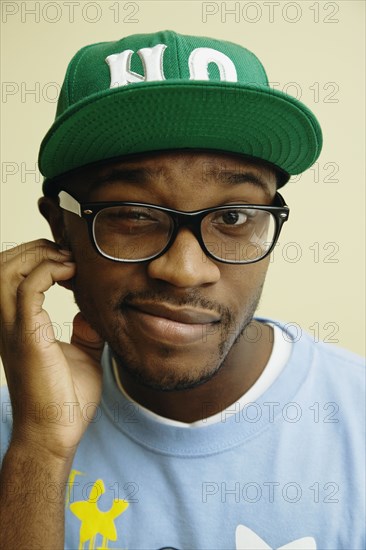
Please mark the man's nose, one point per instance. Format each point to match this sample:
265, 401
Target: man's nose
185, 264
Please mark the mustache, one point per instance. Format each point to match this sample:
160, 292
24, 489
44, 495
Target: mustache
192, 299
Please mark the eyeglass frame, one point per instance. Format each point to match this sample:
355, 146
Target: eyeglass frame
89, 210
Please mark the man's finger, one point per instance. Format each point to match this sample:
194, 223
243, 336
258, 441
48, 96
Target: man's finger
29, 295
18, 264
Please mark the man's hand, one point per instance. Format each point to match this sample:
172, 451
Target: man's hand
51, 383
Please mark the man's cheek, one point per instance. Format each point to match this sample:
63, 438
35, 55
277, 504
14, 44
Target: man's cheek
93, 304
78, 241
86, 256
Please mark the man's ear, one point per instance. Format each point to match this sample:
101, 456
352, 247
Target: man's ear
50, 210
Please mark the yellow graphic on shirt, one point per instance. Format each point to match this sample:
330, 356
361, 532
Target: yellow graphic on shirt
96, 522
70, 485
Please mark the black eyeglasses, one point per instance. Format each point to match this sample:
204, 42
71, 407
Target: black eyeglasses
140, 232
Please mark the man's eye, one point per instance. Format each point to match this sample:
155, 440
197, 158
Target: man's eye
132, 215
137, 216
231, 217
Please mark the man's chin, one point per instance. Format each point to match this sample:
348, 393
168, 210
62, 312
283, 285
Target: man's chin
168, 381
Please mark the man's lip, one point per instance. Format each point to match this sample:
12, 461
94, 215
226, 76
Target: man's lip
184, 315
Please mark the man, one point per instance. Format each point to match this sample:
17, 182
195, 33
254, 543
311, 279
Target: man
174, 419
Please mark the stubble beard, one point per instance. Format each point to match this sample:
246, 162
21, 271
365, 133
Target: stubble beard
174, 380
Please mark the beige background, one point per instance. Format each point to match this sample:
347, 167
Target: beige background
315, 49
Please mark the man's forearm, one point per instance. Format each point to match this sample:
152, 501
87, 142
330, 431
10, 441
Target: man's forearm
32, 497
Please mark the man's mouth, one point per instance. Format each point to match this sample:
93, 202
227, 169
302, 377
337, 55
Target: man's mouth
171, 325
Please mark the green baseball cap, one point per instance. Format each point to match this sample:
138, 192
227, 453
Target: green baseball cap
162, 91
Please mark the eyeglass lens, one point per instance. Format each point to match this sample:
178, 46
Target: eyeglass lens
133, 233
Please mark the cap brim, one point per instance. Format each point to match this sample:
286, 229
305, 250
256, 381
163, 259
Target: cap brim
152, 116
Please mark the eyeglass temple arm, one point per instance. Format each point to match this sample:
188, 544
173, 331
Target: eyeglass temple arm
279, 201
67, 202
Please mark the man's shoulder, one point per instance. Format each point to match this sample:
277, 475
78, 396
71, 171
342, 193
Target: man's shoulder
328, 349
6, 420
5, 402
341, 357
332, 374
340, 372
325, 361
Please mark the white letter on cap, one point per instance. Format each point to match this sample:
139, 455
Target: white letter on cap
120, 66
201, 57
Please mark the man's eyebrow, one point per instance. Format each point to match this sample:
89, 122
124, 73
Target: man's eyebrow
146, 175
131, 175
239, 177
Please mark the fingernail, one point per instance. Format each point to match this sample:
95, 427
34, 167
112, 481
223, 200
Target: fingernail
69, 264
64, 251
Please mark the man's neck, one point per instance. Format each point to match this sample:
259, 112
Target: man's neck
241, 369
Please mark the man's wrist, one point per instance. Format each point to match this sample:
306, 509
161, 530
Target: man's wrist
33, 455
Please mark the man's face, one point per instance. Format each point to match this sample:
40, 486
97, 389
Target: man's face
171, 322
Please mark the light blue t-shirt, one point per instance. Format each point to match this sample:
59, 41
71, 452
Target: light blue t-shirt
285, 472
